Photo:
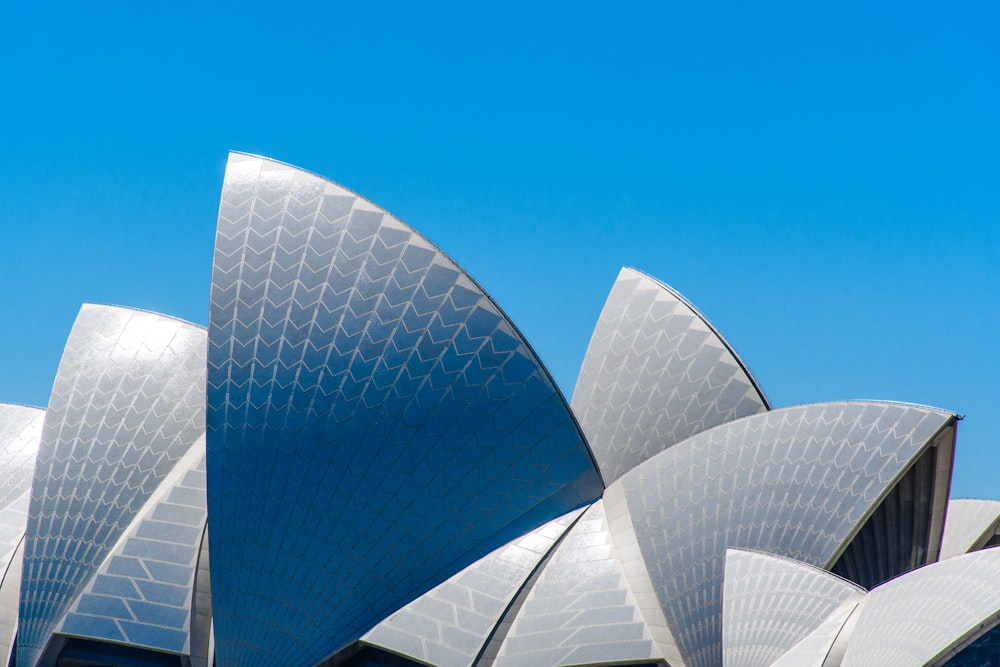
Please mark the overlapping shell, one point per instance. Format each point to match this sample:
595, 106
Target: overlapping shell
364, 463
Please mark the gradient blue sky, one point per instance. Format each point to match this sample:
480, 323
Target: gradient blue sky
821, 181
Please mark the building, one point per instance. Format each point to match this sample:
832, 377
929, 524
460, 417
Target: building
362, 462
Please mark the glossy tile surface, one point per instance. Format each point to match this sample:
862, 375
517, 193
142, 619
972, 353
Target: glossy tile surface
824, 646
970, 523
796, 482
142, 592
375, 423
581, 610
656, 372
770, 604
20, 433
127, 404
448, 625
916, 618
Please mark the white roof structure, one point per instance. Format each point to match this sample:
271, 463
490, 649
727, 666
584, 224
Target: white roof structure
348, 353
771, 604
20, 433
581, 611
929, 615
656, 372
127, 406
799, 482
450, 624
971, 525
824, 646
363, 463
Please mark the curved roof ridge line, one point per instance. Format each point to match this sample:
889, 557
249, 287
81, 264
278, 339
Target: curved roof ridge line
739, 360
463, 271
884, 617
728, 489
22, 405
987, 500
869, 401
512, 610
981, 515
887, 401
144, 311
852, 401
887, 489
326, 179
834, 575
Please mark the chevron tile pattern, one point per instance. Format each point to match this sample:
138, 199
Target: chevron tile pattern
915, 619
448, 625
771, 603
20, 432
141, 594
375, 422
127, 403
656, 372
581, 610
794, 482
10, 593
824, 645
385, 474
969, 524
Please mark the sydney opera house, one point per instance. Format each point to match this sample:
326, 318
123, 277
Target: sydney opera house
362, 463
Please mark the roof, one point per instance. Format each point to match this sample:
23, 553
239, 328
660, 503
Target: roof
581, 609
127, 404
798, 482
771, 603
924, 616
450, 624
347, 352
970, 523
656, 372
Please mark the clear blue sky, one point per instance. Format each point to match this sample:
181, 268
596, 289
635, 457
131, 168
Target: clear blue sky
823, 182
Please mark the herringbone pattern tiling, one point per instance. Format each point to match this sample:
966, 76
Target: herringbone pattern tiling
656, 372
448, 625
20, 432
141, 594
917, 617
793, 482
581, 610
969, 521
127, 403
375, 421
771, 603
